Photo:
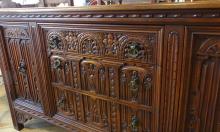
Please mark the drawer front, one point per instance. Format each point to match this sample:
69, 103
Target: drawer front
139, 44
106, 77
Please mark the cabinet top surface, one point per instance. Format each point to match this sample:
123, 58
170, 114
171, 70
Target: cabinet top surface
125, 7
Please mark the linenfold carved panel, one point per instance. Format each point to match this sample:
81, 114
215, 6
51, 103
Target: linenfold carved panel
204, 86
20, 50
139, 46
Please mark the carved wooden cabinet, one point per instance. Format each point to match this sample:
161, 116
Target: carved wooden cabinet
143, 68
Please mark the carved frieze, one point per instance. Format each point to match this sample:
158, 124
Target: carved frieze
119, 45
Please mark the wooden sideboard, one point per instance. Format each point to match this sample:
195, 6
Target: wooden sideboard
127, 68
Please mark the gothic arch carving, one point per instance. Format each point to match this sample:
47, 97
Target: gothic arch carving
210, 47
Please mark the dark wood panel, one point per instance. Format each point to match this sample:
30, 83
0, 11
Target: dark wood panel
202, 109
22, 61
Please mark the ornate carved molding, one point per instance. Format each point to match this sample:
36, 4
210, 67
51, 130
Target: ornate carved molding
182, 14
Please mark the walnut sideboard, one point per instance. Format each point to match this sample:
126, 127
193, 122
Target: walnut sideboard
123, 68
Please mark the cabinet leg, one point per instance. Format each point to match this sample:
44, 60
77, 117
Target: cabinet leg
19, 126
21, 118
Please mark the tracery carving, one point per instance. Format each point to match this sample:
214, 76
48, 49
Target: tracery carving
211, 47
136, 85
90, 75
111, 42
72, 41
20, 33
89, 46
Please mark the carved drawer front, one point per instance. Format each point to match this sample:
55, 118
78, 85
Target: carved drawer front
99, 77
22, 63
100, 114
141, 44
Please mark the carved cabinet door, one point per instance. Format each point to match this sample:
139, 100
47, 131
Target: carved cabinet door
105, 77
17, 40
203, 109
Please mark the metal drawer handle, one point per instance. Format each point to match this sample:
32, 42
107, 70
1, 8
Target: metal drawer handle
57, 64
54, 42
134, 50
22, 67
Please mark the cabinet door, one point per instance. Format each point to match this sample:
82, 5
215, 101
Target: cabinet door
203, 106
105, 77
22, 63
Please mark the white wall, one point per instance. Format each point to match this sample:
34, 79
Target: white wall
26, 2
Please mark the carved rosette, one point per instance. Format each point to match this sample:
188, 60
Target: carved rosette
138, 47
55, 41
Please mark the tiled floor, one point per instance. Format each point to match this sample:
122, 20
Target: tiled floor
34, 125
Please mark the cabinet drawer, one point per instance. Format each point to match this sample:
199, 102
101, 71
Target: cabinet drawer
124, 43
